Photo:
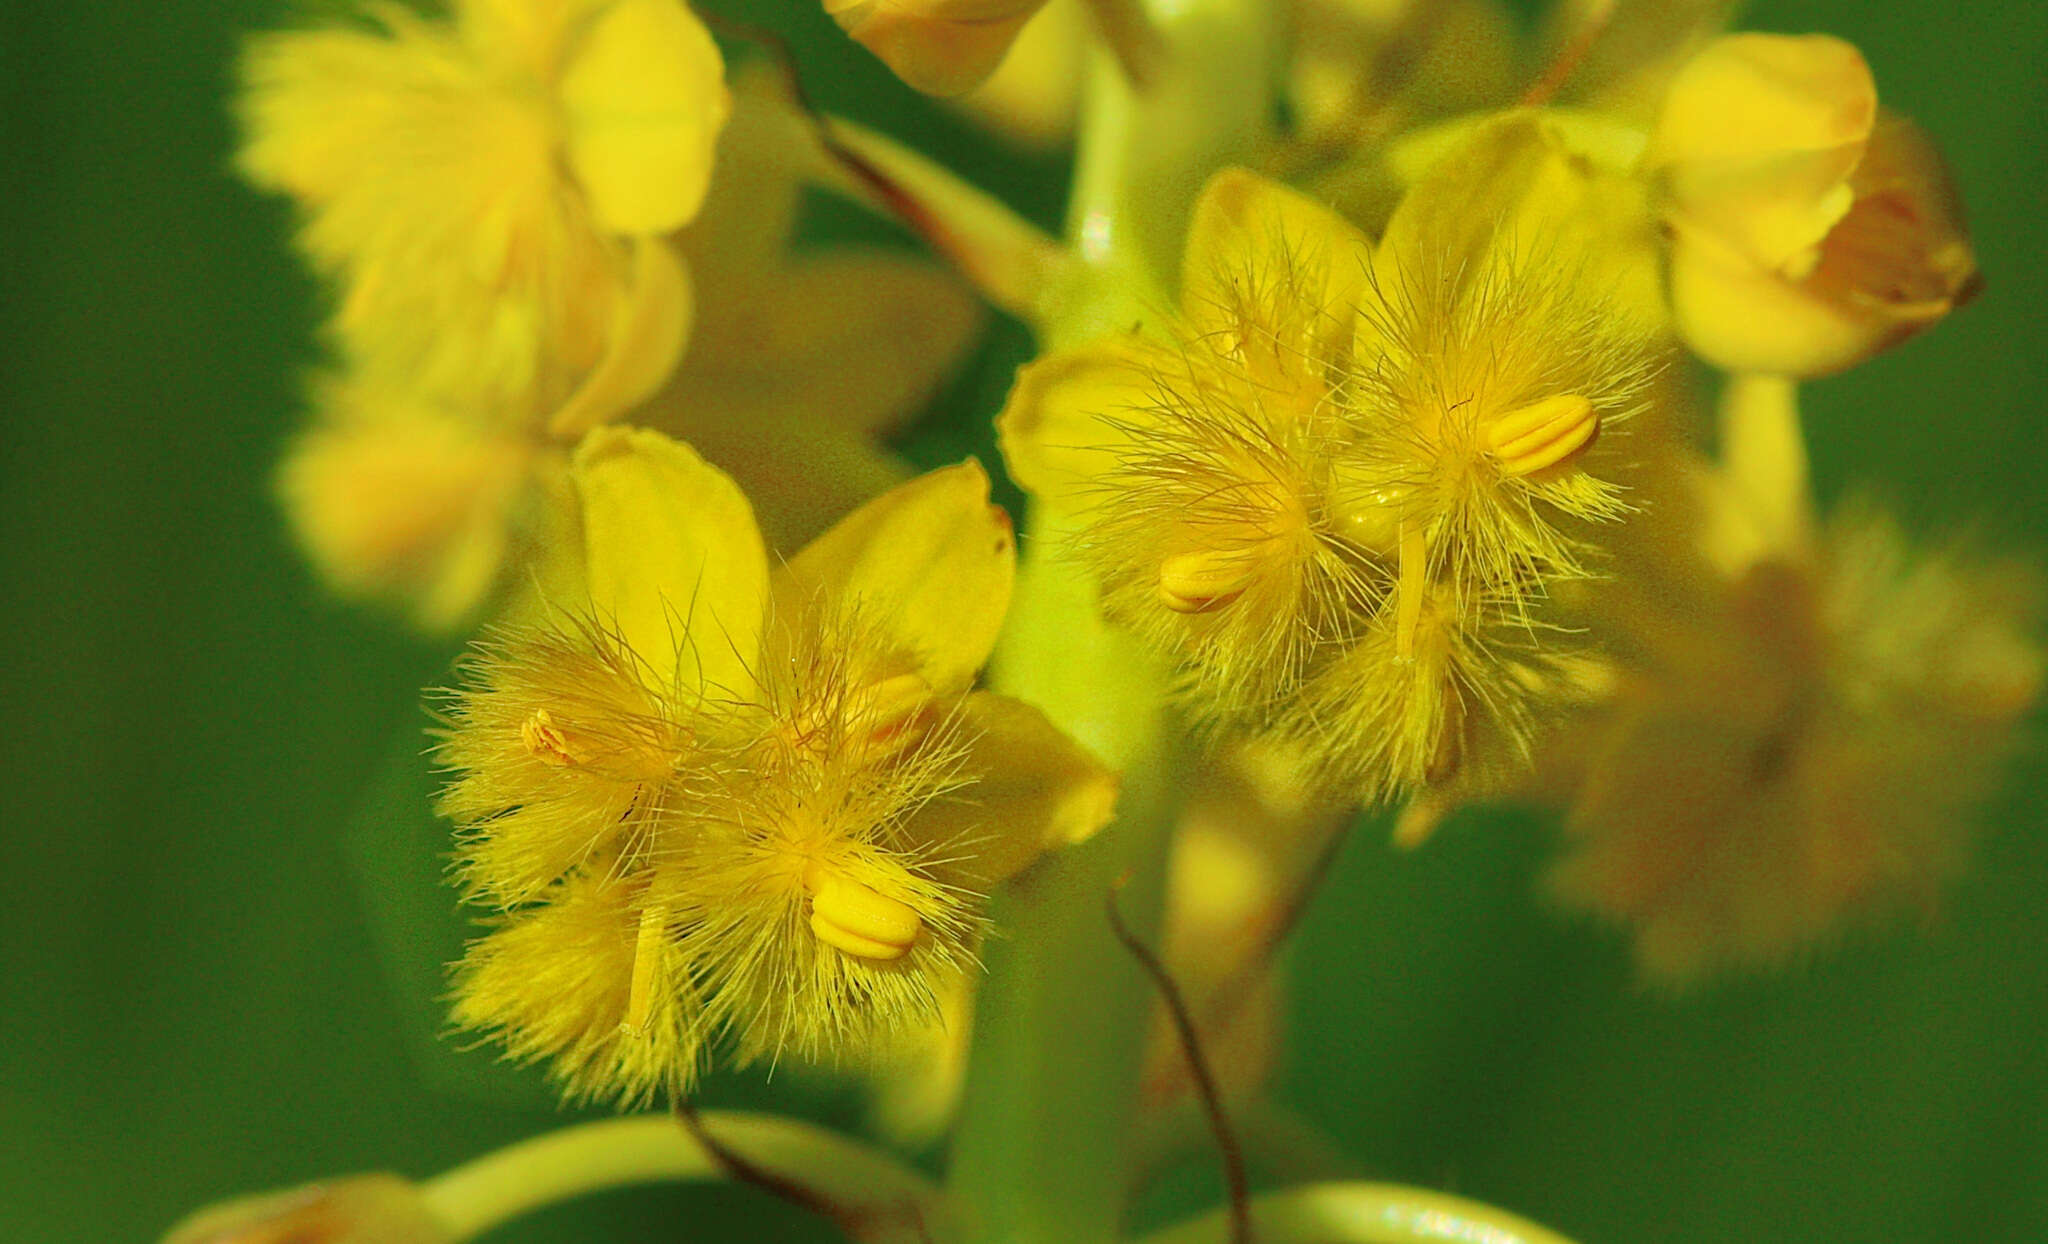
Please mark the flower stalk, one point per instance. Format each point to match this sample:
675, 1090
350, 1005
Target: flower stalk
1043, 1148
512, 1182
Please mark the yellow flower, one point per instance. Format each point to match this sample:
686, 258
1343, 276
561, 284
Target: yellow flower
1337, 485
940, 47
1809, 229
724, 801
798, 363
1798, 732
491, 192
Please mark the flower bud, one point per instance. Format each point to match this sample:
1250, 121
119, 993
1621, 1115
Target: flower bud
1809, 230
361, 1209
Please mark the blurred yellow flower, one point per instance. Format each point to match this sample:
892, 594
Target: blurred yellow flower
799, 362
1799, 729
1809, 229
723, 800
490, 192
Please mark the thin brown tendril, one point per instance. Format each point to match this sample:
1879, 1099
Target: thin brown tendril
1198, 1065
1590, 27
856, 1221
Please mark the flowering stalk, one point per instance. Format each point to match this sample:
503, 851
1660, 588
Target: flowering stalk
1042, 1151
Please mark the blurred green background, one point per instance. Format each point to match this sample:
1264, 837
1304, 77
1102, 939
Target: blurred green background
205, 990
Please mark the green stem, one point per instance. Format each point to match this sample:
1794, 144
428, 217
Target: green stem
592, 1157
1363, 1213
1045, 1142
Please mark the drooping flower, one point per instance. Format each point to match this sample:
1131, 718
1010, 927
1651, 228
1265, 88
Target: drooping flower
1337, 485
1810, 229
1800, 726
720, 803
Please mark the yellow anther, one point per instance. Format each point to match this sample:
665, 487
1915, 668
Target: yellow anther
854, 919
1205, 580
1543, 434
549, 743
647, 948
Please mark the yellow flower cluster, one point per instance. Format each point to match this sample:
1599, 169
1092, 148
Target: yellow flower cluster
1339, 484
728, 802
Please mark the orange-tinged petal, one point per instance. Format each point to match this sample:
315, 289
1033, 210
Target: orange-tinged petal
940, 47
929, 563
644, 98
674, 559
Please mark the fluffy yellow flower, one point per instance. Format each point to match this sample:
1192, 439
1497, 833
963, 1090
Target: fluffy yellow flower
1337, 485
797, 364
1810, 230
1799, 728
725, 802
490, 192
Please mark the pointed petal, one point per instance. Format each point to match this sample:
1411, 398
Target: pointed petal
1247, 227
674, 559
929, 562
1034, 790
644, 99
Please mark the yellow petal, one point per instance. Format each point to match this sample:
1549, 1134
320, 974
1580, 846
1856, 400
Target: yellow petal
1750, 95
1741, 317
1521, 190
674, 559
940, 47
410, 506
1067, 412
1249, 227
1758, 137
1034, 790
649, 327
929, 562
1035, 94
645, 98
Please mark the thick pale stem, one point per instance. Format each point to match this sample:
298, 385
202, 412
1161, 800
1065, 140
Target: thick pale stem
1044, 1146
644, 1149
1763, 454
1363, 1213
